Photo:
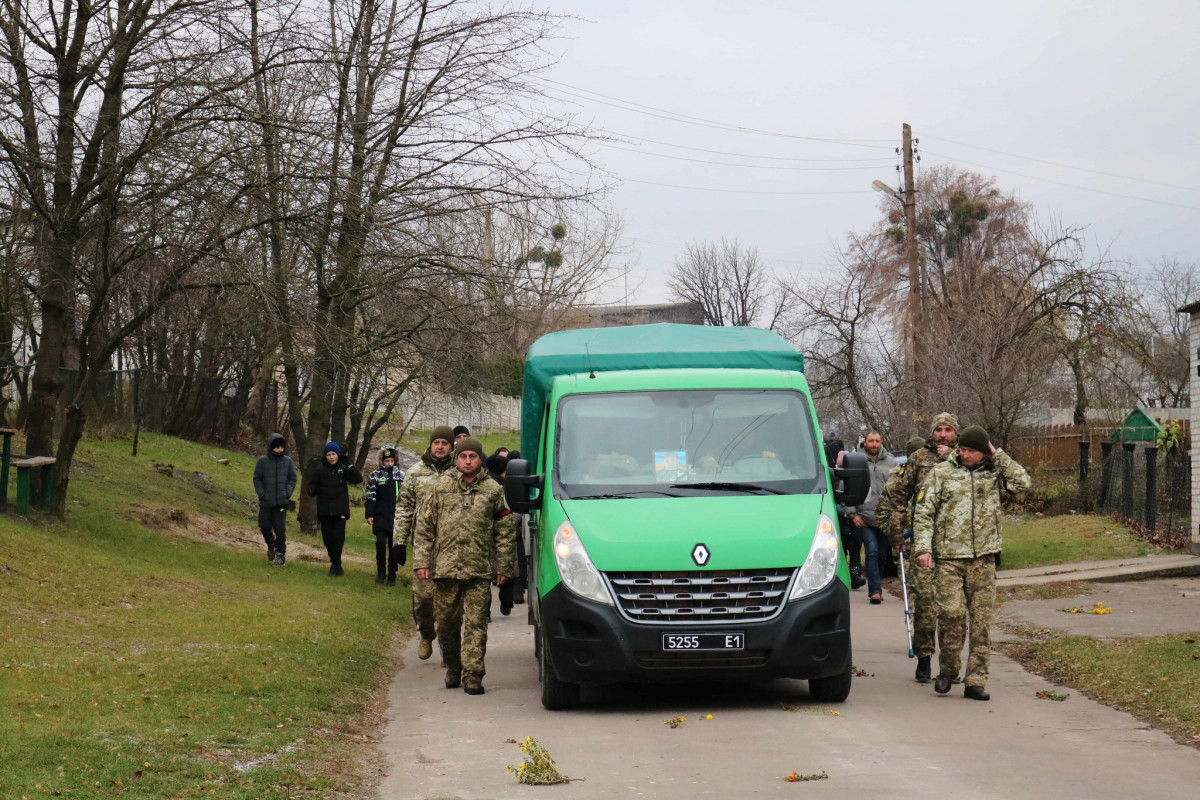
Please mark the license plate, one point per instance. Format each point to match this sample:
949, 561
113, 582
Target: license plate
703, 641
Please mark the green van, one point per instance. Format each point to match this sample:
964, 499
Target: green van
680, 517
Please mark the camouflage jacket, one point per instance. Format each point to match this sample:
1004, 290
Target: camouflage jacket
898, 510
892, 510
465, 530
958, 510
414, 491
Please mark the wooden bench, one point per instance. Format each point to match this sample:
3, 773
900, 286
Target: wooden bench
7, 433
24, 468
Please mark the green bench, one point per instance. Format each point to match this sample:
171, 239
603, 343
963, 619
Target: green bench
24, 469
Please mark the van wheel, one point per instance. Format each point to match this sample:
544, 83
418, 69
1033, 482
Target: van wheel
834, 689
556, 695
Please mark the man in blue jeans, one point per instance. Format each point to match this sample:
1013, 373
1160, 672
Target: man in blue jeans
875, 542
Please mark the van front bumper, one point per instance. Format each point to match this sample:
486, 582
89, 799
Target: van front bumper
592, 643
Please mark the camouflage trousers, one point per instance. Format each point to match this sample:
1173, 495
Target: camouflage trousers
422, 607
966, 593
463, 609
922, 604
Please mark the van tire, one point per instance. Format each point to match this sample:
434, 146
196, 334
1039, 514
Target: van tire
556, 695
836, 688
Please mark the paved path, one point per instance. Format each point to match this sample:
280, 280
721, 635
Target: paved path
1139, 608
893, 738
1158, 565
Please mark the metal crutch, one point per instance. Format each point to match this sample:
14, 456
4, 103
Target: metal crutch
908, 623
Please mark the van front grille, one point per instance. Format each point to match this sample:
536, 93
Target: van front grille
717, 597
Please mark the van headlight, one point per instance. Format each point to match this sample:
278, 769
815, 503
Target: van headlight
576, 568
822, 561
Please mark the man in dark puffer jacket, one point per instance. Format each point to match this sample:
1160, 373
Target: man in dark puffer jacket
274, 482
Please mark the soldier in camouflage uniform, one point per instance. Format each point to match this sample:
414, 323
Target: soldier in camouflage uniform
464, 537
413, 492
898, 510
957, 521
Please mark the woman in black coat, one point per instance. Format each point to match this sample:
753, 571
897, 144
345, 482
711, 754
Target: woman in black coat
328, 485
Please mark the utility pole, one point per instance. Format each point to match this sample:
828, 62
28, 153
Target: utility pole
916, 293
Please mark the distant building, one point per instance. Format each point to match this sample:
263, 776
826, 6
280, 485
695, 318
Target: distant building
1193, 312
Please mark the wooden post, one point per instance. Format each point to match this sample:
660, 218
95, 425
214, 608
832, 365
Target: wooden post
23, 491
4, 465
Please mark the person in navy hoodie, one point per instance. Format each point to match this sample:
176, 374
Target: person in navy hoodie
274, 482
329, 485
379, 496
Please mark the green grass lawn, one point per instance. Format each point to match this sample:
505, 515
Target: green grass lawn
1043, 541
1157, 679
140, 663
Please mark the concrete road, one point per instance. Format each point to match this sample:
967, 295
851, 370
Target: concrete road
893, 738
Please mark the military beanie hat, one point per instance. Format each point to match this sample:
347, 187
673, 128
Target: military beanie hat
975, 438
913, 445
442, 432
945, 418
467, 444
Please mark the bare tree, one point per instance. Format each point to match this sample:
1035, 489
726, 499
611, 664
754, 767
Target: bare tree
729, 282
850, 343
1150, 357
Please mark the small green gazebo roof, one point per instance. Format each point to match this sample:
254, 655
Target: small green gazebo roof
1138, 426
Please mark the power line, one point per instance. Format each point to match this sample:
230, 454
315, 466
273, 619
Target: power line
673, 116
737, 191
729, 164
952, 160
1067, 166
884, 159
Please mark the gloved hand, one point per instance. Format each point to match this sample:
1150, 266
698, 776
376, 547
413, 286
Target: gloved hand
401, 554
908, 534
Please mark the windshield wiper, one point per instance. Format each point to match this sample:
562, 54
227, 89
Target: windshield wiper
732, 487
625, 494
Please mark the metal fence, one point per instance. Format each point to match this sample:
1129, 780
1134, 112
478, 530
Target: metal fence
1139, 484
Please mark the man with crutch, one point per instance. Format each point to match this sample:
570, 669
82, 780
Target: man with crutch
894, 515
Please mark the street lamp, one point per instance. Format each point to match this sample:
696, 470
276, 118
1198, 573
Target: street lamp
883, 188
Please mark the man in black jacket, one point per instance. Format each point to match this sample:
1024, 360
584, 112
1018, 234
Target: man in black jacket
274, 482
329, 485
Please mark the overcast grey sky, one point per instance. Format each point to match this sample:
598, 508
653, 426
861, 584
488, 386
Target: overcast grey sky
1000, 88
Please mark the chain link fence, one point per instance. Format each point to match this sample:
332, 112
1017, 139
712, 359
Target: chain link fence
1138, 483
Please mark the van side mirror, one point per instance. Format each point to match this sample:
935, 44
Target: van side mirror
854, 479
522, 491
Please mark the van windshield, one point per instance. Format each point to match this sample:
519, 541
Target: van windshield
685, 443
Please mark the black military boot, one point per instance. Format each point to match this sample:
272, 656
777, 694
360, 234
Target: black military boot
856, 577
271, 552
380, 577
453, 679
923, 669
942, 684
976, 693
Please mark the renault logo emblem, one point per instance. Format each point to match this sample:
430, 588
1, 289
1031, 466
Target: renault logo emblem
700, 555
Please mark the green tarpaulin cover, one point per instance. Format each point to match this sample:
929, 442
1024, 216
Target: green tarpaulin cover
662, 346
